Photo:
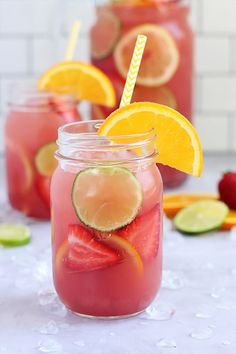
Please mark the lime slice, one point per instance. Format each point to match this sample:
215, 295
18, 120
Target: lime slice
14, 235
107, 198
45, 161
201, 217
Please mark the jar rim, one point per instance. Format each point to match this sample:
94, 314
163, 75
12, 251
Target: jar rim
73, 143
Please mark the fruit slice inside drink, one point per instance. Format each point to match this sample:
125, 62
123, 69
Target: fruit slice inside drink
160, 60
104, 35
45, 161
106, 199
20, 172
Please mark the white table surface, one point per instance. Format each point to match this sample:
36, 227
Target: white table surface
195, 311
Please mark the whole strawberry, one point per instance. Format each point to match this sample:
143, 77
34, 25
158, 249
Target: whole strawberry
227, 189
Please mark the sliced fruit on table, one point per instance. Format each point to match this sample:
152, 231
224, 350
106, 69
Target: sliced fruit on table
144, 233
160, 60
45, 161
19, 166
82, 252
161, 95
106, 199
83, 81
177, 141
201, 217
230, 221
173, 203
13, 235
43, 186
104, 35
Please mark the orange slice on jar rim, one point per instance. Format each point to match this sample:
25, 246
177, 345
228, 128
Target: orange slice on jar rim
177, 142
160, 60
82, 81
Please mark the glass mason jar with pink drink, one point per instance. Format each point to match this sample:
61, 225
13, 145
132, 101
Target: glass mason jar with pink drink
166, 73
30, 143
106, 221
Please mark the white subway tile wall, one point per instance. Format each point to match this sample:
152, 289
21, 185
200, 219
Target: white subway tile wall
33, 36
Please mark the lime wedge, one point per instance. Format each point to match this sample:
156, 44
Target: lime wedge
106, 198
201, 217
14, 235
45, 161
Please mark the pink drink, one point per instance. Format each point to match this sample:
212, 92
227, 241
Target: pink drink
31, 124
115, 21
116, 273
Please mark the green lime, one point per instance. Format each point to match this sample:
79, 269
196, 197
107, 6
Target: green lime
106, 198
201, 217
45, 161
14, 235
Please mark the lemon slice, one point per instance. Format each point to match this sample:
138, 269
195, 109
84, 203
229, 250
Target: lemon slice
177, 141
106, 199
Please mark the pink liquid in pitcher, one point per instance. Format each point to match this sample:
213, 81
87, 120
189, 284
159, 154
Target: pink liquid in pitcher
115, 21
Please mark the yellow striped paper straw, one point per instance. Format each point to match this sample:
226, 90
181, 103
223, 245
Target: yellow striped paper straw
133, 70
73, 41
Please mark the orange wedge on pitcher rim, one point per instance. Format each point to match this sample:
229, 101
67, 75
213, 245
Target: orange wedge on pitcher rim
83, 81
177, 142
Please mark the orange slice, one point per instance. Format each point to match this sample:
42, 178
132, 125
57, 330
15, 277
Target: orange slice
127, 250
162, 95
177, 141
160, 60
230, 221
83, 81
173, 203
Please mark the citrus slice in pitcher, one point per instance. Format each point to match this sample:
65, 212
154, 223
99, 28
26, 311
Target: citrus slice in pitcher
177, 142
45, 161
106, 199
104, 35
83, 81
160, 59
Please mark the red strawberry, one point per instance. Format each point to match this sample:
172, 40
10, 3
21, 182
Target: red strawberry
227, 189
144, 233
86, 253
43, 186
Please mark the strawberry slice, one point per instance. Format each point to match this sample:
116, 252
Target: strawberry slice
86, 253
144, 233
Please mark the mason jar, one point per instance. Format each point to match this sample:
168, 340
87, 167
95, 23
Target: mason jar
166, 73
30, 143
106, 221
